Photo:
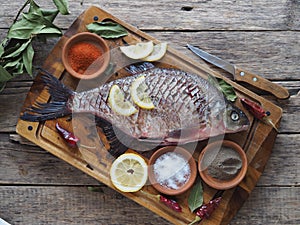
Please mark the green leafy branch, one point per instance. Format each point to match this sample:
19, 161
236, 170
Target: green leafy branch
16, 51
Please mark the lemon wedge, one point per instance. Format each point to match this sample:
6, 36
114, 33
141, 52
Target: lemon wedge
139, 95
158, 52
129, 172
138, 51
118, 103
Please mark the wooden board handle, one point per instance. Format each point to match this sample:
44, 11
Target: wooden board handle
261, 83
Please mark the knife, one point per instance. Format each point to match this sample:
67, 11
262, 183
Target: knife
3, 222
242, 75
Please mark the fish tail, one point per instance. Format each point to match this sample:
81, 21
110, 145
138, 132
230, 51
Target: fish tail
56, 108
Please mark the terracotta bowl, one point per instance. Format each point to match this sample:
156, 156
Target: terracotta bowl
98, 66
222, 184
183, 156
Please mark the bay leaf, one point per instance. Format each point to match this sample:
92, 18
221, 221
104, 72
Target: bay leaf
8, 48
52, 31
4, 75
107, 29
62, 6
224, 87
23, 29
2, 46
27, 59
195, 198
227, 90
2, 86
50, 14
19, 50
34, 7
49, 27
19, 69
11, 63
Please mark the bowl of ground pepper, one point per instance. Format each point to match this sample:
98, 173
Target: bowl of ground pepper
85, 55
222, 164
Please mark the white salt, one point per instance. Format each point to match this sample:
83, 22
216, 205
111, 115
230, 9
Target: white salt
172, 170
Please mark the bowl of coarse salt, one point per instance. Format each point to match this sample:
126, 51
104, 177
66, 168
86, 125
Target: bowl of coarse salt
172, 170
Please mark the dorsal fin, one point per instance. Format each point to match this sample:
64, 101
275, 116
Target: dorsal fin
139, 67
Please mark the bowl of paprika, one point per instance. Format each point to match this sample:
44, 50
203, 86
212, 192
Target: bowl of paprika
85, 55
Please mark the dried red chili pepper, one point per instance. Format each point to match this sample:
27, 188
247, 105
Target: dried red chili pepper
205, 211
257, 111
69, 137
172, 204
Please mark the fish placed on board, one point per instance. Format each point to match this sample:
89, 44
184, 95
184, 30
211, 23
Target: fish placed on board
187, 107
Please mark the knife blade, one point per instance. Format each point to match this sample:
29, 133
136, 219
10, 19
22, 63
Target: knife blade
3, 222
242, 75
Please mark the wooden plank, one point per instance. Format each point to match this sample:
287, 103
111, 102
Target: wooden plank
265, 205
29, 165
77, 205
10, 110
186, 15
258, 149
273, 55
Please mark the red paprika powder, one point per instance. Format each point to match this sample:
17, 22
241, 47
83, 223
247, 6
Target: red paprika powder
85, 57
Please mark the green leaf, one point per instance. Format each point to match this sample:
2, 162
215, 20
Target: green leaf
34, 8
5, 49
50, 14
19, 50
12, 49
2, 86
227, 90
53, 31
24, 28
4, 75
27, 58
3, 45
11, 64
195, 199
107, 29
224, 87
19, 69
62, 6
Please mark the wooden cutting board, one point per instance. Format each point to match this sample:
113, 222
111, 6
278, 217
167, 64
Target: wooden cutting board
257, 142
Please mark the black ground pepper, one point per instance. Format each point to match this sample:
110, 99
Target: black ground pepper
226, 164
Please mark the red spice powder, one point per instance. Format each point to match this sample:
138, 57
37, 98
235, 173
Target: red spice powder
82, 57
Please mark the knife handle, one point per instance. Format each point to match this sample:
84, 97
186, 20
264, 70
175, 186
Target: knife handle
261, 83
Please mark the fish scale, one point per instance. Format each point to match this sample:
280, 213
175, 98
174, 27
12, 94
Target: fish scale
187, 108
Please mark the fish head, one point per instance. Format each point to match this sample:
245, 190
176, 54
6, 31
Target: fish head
235, 119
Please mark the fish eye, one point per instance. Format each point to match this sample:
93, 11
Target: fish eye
235, 116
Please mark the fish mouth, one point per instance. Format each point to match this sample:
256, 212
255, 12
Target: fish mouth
242, 128
245, 127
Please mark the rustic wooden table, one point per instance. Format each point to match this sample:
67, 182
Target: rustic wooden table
260, 36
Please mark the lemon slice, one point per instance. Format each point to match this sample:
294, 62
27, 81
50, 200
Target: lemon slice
139, 95
129, 172
158, 52
138, 51
118, 103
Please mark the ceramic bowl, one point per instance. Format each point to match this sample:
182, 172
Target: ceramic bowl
221, 184
156, 164
98, 66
